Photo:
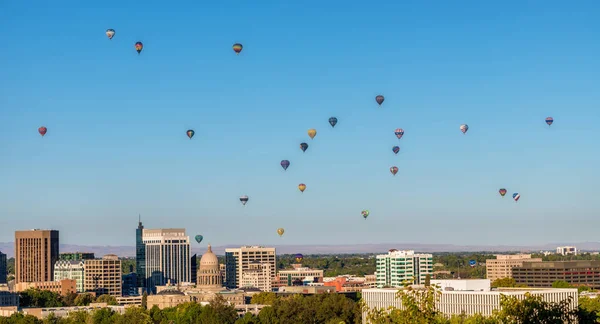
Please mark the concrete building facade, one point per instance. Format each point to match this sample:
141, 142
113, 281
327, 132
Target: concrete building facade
62, 287
36, 251
258, 275
463, 284
288, 276
543, 274
566, 250
502, 266
70, 269
103, 276
237, 260
397, 267
167, 257
467, 302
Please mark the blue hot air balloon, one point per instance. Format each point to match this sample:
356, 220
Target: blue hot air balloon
285, 164
332, 121
396, 149
199, 238
303, 147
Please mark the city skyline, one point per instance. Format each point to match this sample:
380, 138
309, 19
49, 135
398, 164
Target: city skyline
116, 145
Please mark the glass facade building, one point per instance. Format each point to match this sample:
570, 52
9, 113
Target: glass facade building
167, 257
3, 268
398, 267
140, 255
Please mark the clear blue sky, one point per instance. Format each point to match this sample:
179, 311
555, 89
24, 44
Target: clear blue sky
116, 144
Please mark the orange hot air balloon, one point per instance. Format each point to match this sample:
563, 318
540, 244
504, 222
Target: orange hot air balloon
302, 187
312, 133
280, 231
139, 46
237, 48
42, 130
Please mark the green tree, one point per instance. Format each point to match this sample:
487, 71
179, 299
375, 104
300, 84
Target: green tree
145, 300
83, 299
589, 310
40, 298
506, 283
136, 315
561, 284
264, 298
218, 311
248, 318
110, 300
428, 280
69, 299
533, 309
104, 316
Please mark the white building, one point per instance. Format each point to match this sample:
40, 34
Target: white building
396, 267
468, 302
167, 256
463, 284
287, 277
258, 275
71, 269
238, 260
565, 250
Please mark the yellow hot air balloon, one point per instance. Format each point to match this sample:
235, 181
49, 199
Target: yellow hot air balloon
302, 187
312, 133
280, 231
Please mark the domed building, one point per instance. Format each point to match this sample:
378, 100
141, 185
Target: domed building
209, 276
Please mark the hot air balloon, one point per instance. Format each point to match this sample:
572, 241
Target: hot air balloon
285, 164
399, 132
280, 231
110, 33
244, 199
237, 48
42, 130
394, 170
312, 133
365, 213
502, 192
379, 99
396, 149
303, 147
138, 47
549, 121
464, 128
299, 257
472, 263
332, 121
190, 133
199, 238
516, 196
302, 187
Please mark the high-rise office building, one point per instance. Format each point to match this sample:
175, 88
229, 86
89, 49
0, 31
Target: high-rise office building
193, 269
167, 257
36, 251
140, 255
103, 276
3, 270
237, 260
397, 267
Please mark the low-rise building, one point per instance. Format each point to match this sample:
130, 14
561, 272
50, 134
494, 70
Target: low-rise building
467, 302
8, 299
257, 275
288, 276
462, 284
42, 313
62, 287
502, 265
566, 250
543, 274
103, 276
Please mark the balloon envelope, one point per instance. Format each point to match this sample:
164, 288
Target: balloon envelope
199, 238
299, 257
237, 48
365, 213
502, 192
464, 128
549, 121
110, 33
312, 133
244, 199
379, 99
302, 187
280, 231
139, 46
394, 170
285, 164
190, 133
332, 121
516, 196
396, 149
399, 132
303, 147
42, 130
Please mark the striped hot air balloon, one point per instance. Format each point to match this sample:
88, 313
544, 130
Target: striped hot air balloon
139, 47
549, 121
399, 132
237, 48
516, 196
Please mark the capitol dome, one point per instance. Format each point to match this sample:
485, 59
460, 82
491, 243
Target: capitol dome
209, 260
209, 274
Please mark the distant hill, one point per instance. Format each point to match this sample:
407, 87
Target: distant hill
129, 251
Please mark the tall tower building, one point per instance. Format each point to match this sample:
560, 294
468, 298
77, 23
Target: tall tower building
140, 255
3, 270
36, 251
237, 261
396, 267
167, 257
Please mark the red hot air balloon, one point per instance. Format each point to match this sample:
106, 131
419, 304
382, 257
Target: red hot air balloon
139, 46
42, 130
379, 99
394, 170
